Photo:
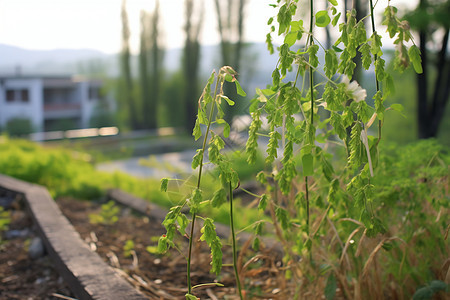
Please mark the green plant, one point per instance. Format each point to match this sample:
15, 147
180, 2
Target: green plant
5, 220
228, 178
128, 248
321, 191
18, 126
108, 214
428, 291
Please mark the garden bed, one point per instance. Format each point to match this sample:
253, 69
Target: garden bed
158, 277
165, 276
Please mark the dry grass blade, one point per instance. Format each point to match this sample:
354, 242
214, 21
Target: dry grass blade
375, 251
148, 286
113, 259
347, 244
135, 260
320, 221
211, 295
63, 297
352, 220
359, 249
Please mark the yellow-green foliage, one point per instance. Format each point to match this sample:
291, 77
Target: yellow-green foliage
108, 215
65, 173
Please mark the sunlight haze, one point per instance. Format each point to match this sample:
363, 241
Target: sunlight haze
96, 24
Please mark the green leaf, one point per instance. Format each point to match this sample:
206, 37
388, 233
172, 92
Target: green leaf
322, 18
183, 222
375, 47
201, 116
197, 159
190, 297
257, 229
379, 69
256, 243
389, 86
197, 132
282, 217
272, 146
327, 168
226, 130
337, 49
414, 56
308, 164
424, 293
229, 101
262, 202
162, 244
331, 63
290, 38
330, 288
365, 56
438, 285
197, 197
334, 2
313, 59
219, 198
216, 253
397, 107
164, 183
336, 19
239, 89
208, 231
276, 77
228, 77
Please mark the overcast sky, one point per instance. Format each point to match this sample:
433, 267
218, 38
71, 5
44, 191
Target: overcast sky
96, 24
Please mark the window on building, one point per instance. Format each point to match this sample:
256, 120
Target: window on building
24, 95
17, 95
10, 95
94, 93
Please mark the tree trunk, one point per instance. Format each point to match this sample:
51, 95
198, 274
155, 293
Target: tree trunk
431, 106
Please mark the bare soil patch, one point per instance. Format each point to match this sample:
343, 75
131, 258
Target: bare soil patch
22, 277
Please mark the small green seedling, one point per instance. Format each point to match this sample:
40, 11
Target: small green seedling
107, 216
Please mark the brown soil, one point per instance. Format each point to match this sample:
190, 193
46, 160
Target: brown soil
164, 276
158, 276
22, 277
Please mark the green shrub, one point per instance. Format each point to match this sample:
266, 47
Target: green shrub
18, 126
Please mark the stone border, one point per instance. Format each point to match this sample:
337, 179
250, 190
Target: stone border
87, 275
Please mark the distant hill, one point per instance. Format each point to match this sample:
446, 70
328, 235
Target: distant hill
60, 61
257, 63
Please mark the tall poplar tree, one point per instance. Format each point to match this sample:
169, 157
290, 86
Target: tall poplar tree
150, 66
125, 71
191, 60
230, 18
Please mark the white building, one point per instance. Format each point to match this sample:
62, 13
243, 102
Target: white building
47, 100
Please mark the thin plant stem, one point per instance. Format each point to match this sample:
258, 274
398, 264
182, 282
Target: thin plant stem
375, 57
194, 215
311, 91
233, 236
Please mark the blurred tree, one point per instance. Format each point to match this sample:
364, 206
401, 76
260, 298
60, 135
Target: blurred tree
144, 79
230, 18
150, 66
431, 20
191, 61
127, 89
